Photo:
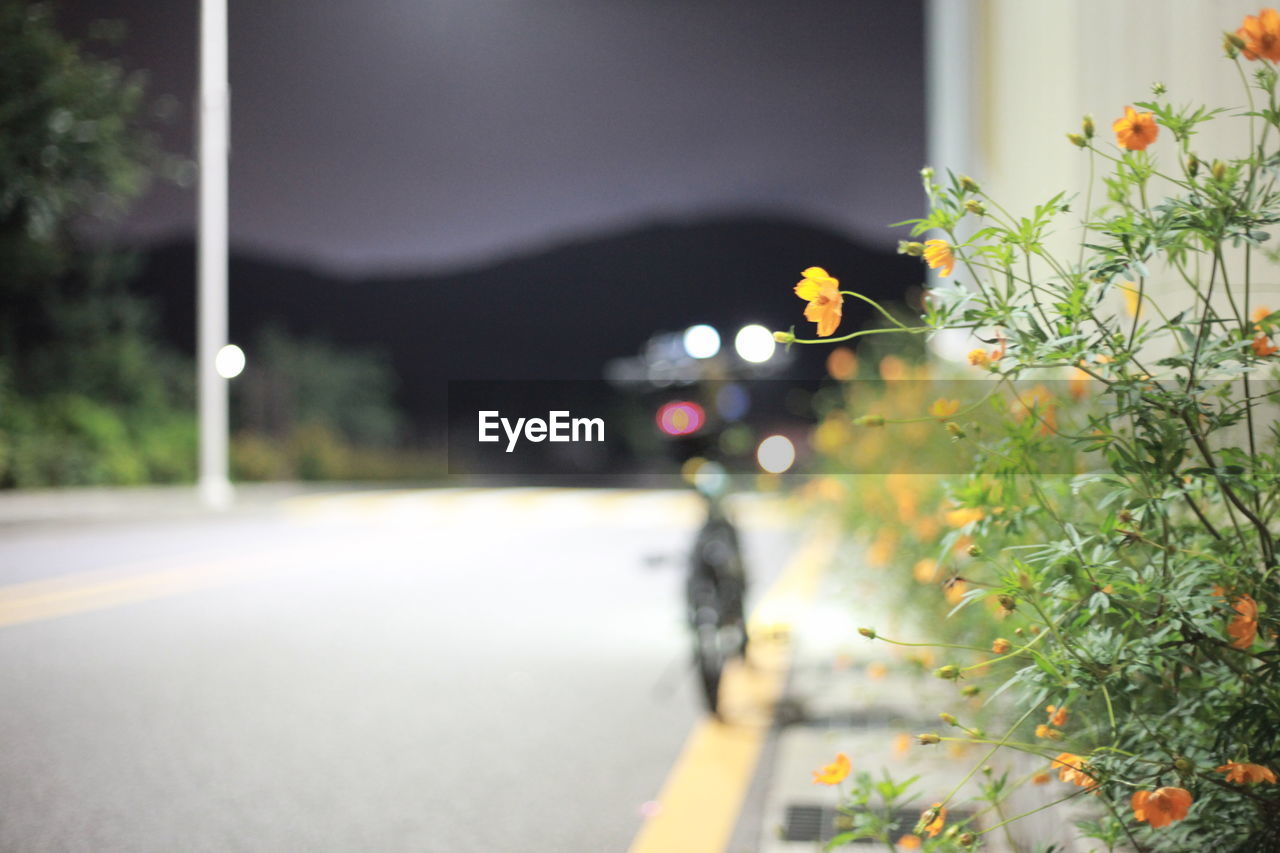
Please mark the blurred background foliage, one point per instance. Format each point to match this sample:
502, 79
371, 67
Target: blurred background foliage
88, 393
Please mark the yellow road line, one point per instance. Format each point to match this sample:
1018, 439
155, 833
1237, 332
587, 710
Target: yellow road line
99, 589
703, 794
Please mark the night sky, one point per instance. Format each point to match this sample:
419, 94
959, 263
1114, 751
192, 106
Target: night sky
396, 135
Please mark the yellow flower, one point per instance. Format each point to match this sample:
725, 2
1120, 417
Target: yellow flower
1048, 733
1135, 130
979, 358
833, 773
937, 254
962, 516
826, 303
1071, 769
1132, 299
1247, 774
1261, 313
1162, 806
936, 817
842, 364
1057, 716
925, 570
1261, 36
944, 408
1243, 628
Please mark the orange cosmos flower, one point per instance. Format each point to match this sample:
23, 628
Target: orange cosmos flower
1135, 130
1048, 733
1001, 645
822, 292
936, 817
1261, 35
937, 253
1247, 774
1262, 346
944, 408
1261, 313
1071, 769
1162, 806
833, 773
954, 590
1057, 716
962, 516
910, 842
901, 744
1040, 779
1243, 627
926, 570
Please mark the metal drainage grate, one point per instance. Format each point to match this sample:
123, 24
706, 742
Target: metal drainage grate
805, 823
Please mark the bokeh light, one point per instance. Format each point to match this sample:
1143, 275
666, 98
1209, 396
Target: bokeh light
681, 418
229, 362
776, 454
754, 343
701, 341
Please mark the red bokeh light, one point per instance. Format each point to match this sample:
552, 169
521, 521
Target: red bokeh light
681, 418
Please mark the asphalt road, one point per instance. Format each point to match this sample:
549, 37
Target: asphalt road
450, 671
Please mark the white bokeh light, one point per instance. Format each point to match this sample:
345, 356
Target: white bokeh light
701, 341
229, 362
754, 343
776, 454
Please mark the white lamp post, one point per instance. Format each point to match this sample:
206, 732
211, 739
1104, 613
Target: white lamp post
214, 485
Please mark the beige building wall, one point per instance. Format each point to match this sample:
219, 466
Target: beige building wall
1043, 64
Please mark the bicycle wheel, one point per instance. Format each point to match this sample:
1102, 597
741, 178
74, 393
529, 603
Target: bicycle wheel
709, 656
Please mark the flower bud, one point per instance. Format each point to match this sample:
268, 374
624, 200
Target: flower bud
1193, 165
947, 672
975, 207
967, 839
949, 719
1087, 127
1232, 40
928, 739
1007, 602
1024, 581
1077, 140
910, 247
970, 690
1001, 646
974, 551
1184, 765
1158, 88
784, 337
968, 184
869, 633
954, 430
927, 173
869, 421
1219, 170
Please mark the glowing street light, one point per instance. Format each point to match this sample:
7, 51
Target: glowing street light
776, 454
229, 362
701, 341
754, 343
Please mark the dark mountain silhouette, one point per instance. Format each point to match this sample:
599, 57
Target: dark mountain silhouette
555, 314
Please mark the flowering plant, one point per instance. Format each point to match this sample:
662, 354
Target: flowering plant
1114, 541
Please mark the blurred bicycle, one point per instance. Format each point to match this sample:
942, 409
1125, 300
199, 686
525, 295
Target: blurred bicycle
716, 587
